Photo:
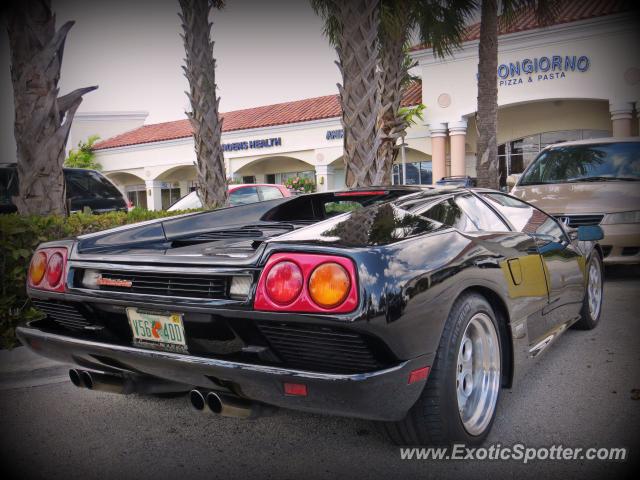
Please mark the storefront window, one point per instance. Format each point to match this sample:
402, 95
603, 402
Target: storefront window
516, 155
281, 178
137, 195
169, 196
138, 198
418, 173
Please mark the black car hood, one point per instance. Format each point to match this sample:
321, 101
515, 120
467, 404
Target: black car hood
160, 233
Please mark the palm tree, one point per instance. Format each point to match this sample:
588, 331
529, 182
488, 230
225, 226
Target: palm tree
42, 118
375, 70
394, 77
204, 117
439, 24
352, 27
487, 114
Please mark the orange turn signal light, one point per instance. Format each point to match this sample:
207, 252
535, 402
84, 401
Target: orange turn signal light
37, 268
329, 285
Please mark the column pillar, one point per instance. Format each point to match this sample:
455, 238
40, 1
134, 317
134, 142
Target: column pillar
621, 118
324, 178
458, 134
184, 187
154, 194
438, 150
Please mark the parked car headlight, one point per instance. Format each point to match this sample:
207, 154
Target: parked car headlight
622, 217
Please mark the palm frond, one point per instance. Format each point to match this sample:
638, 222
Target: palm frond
441, 24
545, 11
326, 10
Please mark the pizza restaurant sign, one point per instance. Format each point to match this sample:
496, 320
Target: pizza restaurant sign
541, 69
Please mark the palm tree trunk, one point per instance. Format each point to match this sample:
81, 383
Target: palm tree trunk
487, 116
357, 50
394, 72
207, 126
42, 119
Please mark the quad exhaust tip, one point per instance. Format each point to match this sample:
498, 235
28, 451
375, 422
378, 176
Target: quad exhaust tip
123, 384
76, 378
197, 400
224, 404
86, 379
227, 405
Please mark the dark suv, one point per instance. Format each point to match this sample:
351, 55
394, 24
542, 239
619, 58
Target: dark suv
458, 181
85, 188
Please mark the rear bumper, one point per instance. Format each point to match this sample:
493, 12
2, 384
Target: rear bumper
621, 243
380, 395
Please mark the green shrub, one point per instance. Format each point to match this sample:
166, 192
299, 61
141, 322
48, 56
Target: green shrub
19, 237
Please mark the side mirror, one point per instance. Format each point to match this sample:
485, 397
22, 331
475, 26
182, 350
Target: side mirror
513, 179
591, 233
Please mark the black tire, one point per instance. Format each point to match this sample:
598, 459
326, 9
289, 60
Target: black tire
434, 419
589, 320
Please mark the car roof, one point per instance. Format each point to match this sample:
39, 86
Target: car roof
595, 141
238, 185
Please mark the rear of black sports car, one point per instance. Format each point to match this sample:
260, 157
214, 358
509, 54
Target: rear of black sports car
317, 303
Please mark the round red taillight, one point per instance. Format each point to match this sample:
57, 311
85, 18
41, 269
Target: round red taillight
284, 282
54, 269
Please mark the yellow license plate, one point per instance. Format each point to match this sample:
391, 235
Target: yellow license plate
163, 331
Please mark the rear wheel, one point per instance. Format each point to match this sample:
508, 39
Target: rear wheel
459, 401
592, 303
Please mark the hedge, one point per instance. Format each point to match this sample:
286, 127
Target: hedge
20, 235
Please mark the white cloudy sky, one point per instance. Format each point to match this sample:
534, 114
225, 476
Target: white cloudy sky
267, 52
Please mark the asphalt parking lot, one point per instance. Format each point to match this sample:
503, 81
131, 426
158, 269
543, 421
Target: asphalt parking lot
582, 393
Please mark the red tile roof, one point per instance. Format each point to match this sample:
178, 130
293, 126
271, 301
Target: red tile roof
567, 11
279, 114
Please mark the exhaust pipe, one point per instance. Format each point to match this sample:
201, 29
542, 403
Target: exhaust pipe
104, 382
198, 400
227, 405
231, 406
76, 379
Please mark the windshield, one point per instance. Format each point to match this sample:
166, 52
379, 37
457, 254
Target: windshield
585, 163
89, 184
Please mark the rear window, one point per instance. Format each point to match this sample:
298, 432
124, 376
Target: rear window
244, 195
481, 215
270, 193
449, 213
89, 184
340, 206
585, 163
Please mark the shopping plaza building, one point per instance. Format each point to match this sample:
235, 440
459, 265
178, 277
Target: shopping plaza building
578, 78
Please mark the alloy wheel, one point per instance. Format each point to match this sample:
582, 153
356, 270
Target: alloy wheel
478, 374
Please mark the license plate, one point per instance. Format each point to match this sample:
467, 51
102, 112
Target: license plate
159, 330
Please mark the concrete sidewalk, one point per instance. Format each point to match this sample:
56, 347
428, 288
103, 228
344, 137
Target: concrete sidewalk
20, 368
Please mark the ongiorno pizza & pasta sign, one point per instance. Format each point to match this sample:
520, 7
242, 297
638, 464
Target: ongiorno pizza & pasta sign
540, 69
